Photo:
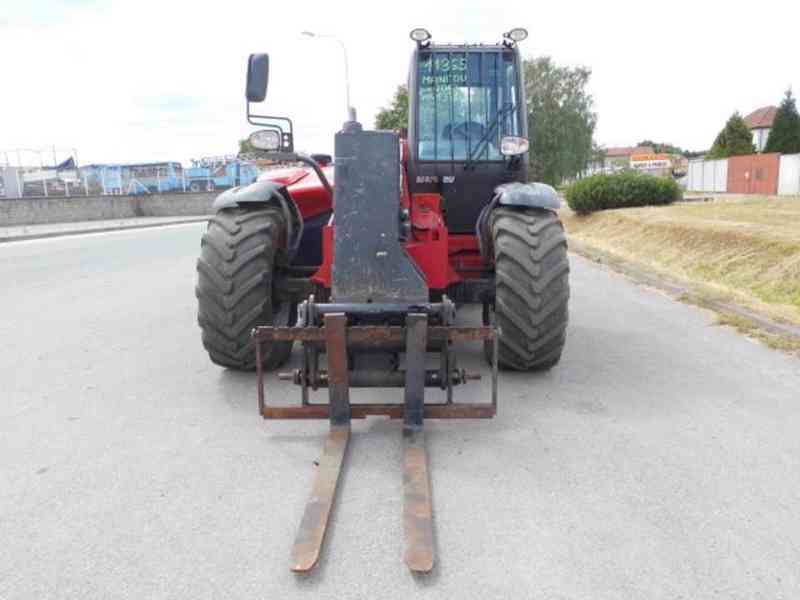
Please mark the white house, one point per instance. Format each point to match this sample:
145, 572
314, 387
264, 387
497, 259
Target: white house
760, 123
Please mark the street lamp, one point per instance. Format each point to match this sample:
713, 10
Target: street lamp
351, 112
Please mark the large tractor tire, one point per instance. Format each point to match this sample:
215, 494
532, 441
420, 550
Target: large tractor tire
235, 286
531, 287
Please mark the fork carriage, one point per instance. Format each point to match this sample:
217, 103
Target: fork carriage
324, 328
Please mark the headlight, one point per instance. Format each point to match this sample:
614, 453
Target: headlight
517, 34
265, 139
420, 35
512, 145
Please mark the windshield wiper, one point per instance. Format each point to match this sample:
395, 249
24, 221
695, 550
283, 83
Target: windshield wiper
502, 113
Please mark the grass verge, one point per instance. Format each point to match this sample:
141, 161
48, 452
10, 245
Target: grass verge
740, 257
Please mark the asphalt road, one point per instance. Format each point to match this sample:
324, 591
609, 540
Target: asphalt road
660, 459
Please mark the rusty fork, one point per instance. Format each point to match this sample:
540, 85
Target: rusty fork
307, 545
417, 508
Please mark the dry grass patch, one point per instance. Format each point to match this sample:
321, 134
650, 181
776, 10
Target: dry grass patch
744, 250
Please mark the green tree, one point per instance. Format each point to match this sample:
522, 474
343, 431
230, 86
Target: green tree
734, 139
561, 120
247, 149
784, 136
662, 148
599, 155
396, 116
695, 153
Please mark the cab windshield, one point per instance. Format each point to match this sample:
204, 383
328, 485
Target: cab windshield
467, 103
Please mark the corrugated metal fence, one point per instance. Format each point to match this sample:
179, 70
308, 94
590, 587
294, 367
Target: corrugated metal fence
753, 174
708, 175
789, 178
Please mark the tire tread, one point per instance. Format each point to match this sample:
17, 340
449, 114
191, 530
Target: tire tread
532, 287
234, 285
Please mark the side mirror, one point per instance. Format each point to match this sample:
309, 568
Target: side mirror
257, 77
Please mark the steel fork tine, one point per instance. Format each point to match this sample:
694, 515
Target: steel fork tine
417, 509
307, 545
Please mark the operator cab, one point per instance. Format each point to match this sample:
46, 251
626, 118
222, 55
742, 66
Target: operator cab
467, 124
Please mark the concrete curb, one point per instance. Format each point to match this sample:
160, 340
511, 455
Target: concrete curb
105, 229
677, 290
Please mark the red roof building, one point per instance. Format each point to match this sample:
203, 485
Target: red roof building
620, 158
761, 118
614, 159
628, 151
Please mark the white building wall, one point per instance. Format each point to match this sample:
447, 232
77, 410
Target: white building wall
760, 137
789, 174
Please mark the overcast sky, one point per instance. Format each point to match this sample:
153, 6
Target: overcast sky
144, 80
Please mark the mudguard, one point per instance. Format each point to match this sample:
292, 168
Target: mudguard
259, 192
527, 195
266, 193
533, 195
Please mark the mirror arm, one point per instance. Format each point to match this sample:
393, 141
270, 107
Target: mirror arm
251, 118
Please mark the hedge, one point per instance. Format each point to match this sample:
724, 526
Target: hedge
621, 190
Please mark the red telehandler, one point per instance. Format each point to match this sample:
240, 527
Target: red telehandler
363, 263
